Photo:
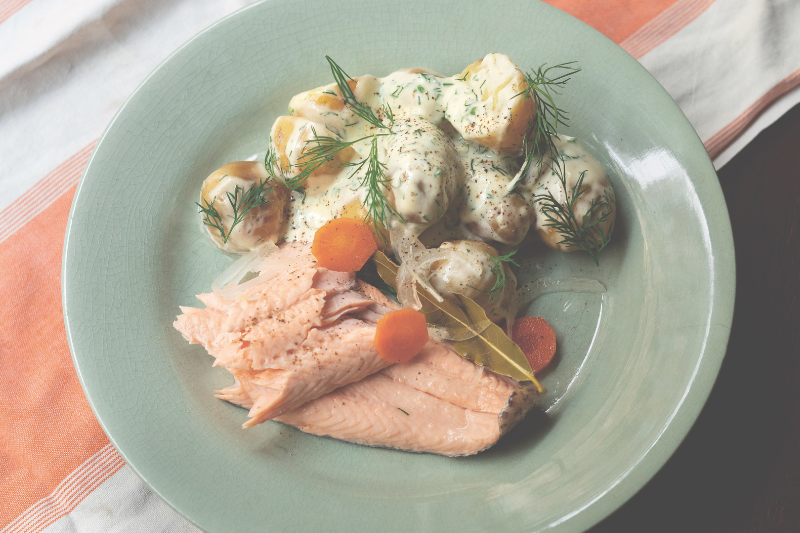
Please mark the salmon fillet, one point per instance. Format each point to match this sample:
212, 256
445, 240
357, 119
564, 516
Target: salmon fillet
287, 335
299, 342
436, 403
328, 359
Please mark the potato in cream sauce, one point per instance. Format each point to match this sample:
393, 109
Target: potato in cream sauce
449, 160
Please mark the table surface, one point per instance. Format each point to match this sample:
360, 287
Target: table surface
738, 470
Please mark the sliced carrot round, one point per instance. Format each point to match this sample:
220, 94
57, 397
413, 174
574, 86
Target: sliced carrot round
536, 339
400, 335
343, 245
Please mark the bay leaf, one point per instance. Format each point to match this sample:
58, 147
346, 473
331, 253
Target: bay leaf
481, 340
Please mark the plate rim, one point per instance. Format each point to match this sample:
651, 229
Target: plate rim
684, 415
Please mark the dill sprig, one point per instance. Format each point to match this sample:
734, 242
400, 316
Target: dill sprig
319, 150
588, 234
242, 201
541, 87
272, 164
376, 204
363, 111
499, 274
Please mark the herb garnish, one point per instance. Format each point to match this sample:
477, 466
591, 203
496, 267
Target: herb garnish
588, 235
402, 411
374, 180
242, 202
358, 108
541, 87
499, 274
323, 151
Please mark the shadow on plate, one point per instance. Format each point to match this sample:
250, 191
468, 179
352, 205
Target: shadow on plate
522, 438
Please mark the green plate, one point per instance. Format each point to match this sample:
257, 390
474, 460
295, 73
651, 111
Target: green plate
635, 365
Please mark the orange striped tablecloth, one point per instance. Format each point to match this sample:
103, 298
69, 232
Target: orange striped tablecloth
54, 458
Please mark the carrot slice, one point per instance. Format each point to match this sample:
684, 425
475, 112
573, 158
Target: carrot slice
343, 245
536, 339
400, 335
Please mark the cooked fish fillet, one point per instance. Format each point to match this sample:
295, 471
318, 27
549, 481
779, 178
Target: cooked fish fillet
328, 359
286, 334
436, 403
299, 342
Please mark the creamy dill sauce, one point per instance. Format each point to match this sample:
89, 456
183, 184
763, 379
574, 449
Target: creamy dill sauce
446, 186
578, 164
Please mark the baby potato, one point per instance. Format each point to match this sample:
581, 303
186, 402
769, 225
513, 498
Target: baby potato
594, 188
413, 91
267, 222
485, 104
489, 211
424, 170
290, 137
467, 270
505, 220
325, 105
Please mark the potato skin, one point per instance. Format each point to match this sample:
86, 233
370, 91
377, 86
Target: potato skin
326, 105
267, 222
486, 105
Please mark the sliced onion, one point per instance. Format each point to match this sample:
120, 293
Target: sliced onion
533, 290
244, 265
407, 248
534, 170
407, 289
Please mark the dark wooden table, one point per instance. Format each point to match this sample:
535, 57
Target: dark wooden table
739, 468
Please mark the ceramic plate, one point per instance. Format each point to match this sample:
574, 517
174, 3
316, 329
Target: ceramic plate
634, 367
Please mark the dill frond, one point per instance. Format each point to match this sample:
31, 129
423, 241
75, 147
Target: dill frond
377, 206
363, 111
242, 201
542, 85
499, 274
588, 234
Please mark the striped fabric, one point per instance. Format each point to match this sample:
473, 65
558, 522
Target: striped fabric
664, 26
44, 192
9, 7
717, 142
58, 472
70, 492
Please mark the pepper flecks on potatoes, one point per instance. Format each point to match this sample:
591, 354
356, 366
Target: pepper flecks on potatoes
485, 105
490, 212
424, 170
439, 156
325, 105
